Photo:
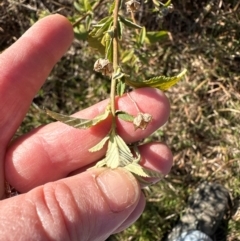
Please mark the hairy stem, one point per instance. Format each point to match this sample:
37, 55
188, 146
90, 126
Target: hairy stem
115, 58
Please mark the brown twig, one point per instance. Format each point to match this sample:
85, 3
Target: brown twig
115, 57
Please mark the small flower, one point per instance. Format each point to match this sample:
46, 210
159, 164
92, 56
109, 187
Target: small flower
132, 6
142, 120
103, 66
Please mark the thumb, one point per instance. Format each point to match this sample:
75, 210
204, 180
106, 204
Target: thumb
89, 206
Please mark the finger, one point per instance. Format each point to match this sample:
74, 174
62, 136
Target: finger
89, 206
134, 216
25, 66
156, 156
57, 149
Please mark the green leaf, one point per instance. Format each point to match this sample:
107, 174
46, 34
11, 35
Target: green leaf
112, 155
120, 30
78, 7
142, 36
120, 87
107, 42
87, 5
138, 170
123, 146
104, 20
127, 55
167, 3
100, 145
100, 31
80, 32
118, 75
101, 163
124, 115
160, 82
156, 2
155, 36
111, 8
88, 22
77, 122
129, 23
152, 173
95, 43
118, 153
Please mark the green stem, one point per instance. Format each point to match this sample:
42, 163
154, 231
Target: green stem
115, 60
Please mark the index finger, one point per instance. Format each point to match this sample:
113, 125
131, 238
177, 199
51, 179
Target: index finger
25, 66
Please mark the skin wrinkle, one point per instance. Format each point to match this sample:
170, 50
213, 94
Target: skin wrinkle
38, 216
65, 216
54, 213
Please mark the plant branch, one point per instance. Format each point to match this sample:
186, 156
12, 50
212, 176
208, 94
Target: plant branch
115, 57
134, 20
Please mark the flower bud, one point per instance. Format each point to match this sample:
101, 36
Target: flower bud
142, 120
104, 66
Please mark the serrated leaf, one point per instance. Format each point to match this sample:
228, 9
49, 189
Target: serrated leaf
142, 171
129, 23
101, 163
136, 169
120, 87
160, 82
155, 36
124, 115
112, 155
100, 145
77, 122
118, 153
123, 146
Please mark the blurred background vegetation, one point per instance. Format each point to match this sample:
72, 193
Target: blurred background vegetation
203, 130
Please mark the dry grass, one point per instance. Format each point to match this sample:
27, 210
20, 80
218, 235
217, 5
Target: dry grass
204, 127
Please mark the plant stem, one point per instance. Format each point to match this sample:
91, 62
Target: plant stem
115, 59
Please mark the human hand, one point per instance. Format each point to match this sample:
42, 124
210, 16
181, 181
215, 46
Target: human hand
59, 199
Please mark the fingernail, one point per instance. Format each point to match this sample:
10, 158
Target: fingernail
119, 187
